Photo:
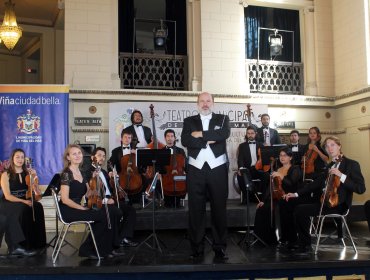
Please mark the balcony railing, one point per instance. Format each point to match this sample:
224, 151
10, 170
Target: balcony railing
267, 76
153, 71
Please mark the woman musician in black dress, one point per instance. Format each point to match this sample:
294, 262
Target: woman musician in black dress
286, 178
73, 188
25, 222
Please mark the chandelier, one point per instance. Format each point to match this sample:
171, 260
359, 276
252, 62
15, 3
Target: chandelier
10, 32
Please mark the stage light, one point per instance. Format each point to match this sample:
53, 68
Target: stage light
276, 43
160, 35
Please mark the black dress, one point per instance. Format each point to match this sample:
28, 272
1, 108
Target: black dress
263, 227
22, 229
104, 236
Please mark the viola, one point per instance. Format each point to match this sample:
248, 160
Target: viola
276, 183
259, 165
94, 196
119, 193
330, 196
176, 168
308, 164
129, 178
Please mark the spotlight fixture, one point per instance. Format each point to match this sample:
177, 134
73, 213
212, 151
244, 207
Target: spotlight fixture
276, 43
160, 35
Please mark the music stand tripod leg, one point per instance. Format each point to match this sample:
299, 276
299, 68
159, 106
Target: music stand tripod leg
249, 233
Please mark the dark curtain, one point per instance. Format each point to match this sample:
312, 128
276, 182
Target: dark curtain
282, 19
176, 11
126, 25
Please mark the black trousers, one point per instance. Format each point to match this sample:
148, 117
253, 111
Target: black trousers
302, 216
212, 184
127, 226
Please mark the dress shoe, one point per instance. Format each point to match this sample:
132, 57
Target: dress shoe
128, 243
94, 257
196, 256
116, 253
19, 251
220, 254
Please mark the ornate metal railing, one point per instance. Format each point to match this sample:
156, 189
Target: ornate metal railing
153, 71
267, 76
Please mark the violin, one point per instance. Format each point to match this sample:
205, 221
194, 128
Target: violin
95, 200
276, 184
330, 195
176, 168
308, 164
32, 181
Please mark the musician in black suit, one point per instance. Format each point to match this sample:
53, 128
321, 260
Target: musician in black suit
120, 151
351, 180
247, 155
205, 136
268, 136
122, 215
297, 149
143, 134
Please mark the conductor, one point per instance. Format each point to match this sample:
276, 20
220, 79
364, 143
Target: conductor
205, 136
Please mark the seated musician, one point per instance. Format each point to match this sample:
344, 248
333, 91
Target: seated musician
247, 157
170, 138
127, 147
73, 188
126, 216
25, 229
346, 179
297, 148
285, 179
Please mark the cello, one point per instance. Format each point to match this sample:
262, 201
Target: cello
32, 181
176, 168
129, 178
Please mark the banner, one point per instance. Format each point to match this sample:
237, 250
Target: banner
172, 115
35, 119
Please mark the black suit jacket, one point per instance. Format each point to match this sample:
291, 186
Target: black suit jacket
147, 133
115, 158
354, 182
297, 156
274, 136
244, 154
218, 130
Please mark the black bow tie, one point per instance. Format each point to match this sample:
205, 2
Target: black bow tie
169, 147
126, 147
138, 125
251, 142
295, 145
265, 127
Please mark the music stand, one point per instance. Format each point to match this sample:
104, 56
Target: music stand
158, 158
249, 233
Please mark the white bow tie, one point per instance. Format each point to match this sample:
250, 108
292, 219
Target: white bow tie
207, 117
